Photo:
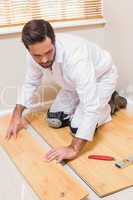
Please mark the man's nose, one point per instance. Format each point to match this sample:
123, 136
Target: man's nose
44, 59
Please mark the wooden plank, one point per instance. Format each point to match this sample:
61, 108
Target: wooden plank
49, 180
111, 139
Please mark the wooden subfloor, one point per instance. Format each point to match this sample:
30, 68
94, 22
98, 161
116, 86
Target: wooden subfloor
49, 181
114, 139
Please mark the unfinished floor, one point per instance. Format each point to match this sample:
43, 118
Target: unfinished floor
19, 189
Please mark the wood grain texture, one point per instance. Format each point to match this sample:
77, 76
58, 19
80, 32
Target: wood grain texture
50, 181
113, 139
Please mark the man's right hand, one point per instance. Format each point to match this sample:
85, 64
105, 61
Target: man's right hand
17, 123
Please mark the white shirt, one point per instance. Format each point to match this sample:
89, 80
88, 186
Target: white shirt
77, 67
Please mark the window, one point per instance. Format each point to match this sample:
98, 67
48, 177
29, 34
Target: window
17, 12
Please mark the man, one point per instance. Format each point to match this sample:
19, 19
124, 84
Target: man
88, 79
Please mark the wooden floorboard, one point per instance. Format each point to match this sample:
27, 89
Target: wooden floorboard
113, 139
50, 181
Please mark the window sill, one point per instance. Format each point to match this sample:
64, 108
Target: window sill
57, 25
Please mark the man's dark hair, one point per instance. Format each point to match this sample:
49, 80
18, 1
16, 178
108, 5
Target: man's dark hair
37, 30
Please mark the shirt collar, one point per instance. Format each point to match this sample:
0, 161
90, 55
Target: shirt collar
59, 52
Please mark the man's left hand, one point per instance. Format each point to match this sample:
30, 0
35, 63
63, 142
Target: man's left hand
61, 154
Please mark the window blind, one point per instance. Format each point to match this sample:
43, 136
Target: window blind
18, 12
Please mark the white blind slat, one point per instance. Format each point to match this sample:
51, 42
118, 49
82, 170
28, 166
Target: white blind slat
15, 12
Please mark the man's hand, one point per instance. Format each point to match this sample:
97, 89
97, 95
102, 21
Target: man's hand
17, 123
66, 153
15, 126
61, 153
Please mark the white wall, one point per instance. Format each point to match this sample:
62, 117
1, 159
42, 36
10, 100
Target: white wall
116, 37
13, 66
119, 40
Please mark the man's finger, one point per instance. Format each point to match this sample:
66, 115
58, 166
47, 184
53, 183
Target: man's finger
8, 132
47, 156
8, 135
15, 133
51, 157
50, 152
59, 159
25, 124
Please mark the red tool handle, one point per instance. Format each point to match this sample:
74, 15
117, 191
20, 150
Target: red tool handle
101, 157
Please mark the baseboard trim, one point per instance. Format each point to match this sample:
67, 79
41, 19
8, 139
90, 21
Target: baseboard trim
129, 102
5, 112
39, 107
35, 108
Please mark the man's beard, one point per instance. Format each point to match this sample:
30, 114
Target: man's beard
49, 64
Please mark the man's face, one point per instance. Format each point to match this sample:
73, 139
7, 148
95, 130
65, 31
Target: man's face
43, 52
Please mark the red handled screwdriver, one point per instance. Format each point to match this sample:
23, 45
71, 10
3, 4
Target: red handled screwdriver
101, 157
